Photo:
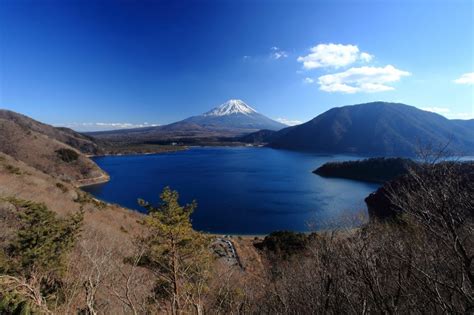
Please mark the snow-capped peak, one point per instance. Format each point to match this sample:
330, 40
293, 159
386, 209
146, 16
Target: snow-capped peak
231, 107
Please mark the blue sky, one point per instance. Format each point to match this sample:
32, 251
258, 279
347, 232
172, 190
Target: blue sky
105, 64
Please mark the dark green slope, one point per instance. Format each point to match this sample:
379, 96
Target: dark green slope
377, 128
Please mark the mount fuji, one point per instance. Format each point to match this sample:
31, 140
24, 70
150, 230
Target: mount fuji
235, 114
233, 118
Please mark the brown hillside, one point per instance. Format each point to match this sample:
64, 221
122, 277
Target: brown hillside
68, 136
108, 229
38, 145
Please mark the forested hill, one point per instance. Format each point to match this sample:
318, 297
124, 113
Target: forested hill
378, 128
377, 170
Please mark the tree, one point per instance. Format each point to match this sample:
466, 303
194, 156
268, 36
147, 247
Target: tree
176, 254
34, 262
439, 199
43, 240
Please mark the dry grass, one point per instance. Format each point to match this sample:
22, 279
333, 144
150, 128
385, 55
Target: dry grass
107, 222
41, 152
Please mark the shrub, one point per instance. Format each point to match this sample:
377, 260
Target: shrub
62, 187
33, 264
284, 243
67, 155
12, 169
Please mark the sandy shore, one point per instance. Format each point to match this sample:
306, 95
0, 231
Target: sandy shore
92, 181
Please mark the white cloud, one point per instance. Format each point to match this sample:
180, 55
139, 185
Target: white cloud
462, 115
448, 113
308, 80
437, 110
466, 78
277, 53
289, 122
99, 126
362, 79
333, 55
366, 57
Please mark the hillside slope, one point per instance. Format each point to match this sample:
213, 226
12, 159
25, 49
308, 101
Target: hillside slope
106, 229
436, 181
40, 146
376, 129
68, 136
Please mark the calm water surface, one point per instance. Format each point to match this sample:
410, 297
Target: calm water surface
238, 190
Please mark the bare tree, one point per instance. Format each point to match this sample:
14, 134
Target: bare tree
28, 290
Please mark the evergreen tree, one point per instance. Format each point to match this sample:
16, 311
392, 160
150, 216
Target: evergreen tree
177, 254
43, 241
32, 266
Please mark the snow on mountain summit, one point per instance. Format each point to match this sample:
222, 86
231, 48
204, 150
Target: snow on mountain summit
234, 114
231, 107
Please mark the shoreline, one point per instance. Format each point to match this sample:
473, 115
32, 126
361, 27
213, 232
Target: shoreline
181, 148
92, 181
125, 153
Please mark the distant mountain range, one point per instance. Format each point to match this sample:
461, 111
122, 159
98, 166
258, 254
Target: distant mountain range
372, 129
378, 128
230, 119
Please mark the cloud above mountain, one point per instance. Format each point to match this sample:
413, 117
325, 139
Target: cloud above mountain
333, 55
289, 122
99, 126
446, 112
437, 110
466, 78
363, 79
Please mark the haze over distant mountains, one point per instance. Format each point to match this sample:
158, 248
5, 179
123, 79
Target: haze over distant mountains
230, 119
376, 128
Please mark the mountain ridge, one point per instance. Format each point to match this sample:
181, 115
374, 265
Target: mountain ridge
376, 128
61, 153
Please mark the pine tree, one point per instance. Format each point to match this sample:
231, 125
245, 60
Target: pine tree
177, 254
32, 266
43, 241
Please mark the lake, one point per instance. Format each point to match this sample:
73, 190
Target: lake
239, 190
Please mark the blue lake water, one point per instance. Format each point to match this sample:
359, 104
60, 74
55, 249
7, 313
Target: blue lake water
238, 190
